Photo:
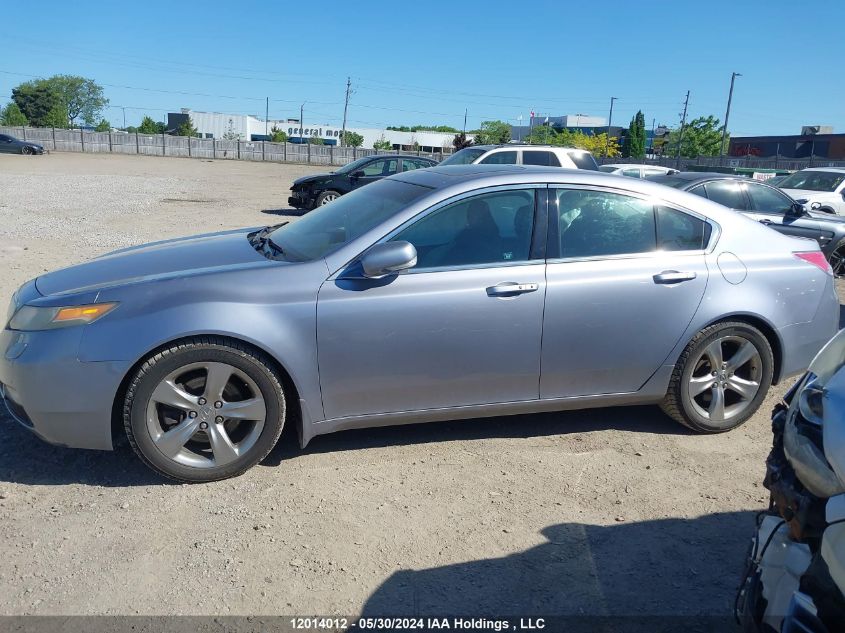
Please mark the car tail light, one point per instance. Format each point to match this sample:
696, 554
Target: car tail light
817, 259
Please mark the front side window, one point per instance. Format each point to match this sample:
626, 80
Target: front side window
767, 200
728, 193
499, 158
491, 228
534, 157
597, 223
381, 168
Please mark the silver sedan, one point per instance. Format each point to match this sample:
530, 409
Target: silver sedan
443, 293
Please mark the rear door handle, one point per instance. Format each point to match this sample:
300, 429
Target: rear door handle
673, 277
510, 289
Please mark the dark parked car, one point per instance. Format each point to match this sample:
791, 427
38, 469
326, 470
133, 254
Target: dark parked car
12, 145
314, 191
770, 206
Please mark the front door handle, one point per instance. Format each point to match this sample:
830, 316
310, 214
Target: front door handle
766, 222
673, 277
510, 289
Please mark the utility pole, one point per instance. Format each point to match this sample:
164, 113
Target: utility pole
465, 119
266, 117
727, 115
345, 108
681, 134
301, 127
124, 116
609, 123
652, 137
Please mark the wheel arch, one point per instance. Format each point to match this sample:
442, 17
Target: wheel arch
293, 409
766, 328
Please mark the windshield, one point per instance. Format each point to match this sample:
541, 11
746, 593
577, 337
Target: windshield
355, 164
327, 228
813, 180
466, 156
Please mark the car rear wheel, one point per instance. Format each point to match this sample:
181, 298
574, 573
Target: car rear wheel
204, 410
721, 379
326, 197
26, 151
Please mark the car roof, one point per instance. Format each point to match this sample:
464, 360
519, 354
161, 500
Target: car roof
525, 146
399, 156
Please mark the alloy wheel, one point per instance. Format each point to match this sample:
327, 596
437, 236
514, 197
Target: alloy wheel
205, 414
726, 378
329, 197
837, 262
26, 150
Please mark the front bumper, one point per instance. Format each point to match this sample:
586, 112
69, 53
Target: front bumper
45, 388
301, 200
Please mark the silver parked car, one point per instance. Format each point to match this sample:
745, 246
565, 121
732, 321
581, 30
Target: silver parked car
443, 293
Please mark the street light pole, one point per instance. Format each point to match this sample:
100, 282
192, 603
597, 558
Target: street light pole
609, 122
727, 115
301, 127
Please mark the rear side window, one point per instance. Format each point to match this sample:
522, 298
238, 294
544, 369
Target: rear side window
534, 157
499, 158
678, 231
728, 193
584, 160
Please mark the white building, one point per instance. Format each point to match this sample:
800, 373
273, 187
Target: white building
253, 128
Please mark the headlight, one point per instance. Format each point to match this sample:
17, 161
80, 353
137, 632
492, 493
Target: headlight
809, 392
32, 318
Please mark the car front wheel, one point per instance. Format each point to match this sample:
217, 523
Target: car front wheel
326, 197
26, 151
721, 379
203, 410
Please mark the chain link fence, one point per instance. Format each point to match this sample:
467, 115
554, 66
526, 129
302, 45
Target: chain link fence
188, 147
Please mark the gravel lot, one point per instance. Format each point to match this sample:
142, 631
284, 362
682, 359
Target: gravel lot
608, 511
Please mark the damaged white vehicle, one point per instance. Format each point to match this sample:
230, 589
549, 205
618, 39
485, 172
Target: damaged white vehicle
795, 579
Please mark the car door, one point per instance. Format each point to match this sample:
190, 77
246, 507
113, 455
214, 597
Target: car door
372, 171
727, 192
773, 208
461, 328
625, 276
7, 145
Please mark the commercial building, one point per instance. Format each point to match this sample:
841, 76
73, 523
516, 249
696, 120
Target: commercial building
253, 128
817, 141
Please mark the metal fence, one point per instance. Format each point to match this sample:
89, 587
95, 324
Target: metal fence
745, 162
188, 147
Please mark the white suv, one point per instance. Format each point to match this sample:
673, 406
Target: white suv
823, 188
543, 155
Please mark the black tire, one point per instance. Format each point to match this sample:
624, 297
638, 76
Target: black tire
678, 404
196, 350
329, 193
26, 151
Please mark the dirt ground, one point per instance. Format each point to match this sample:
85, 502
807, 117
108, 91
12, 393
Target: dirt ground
607, 511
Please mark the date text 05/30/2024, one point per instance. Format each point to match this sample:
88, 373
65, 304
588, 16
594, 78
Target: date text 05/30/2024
410, 624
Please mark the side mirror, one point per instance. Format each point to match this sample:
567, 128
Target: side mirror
358, 174
797, 209
388, 258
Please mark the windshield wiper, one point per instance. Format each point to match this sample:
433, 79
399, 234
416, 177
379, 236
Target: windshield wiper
261, 240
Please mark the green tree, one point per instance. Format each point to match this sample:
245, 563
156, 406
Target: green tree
56, 117
187, 128
493, 133
424, 128
701, 137
230, 134
148, 126
382, 144
460, 141
634, 143
544, 135
352, 139
103, 126
36, 102
316, 140
82, 97
12, 115
278, 135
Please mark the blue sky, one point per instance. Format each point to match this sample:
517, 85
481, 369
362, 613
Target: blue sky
425, 62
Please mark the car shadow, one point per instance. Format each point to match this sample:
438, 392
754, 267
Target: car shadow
288, 212
26, 459
639, 419
658, 575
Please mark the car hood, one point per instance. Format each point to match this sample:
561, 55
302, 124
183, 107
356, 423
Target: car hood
312, 178
806, 194
170, 258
